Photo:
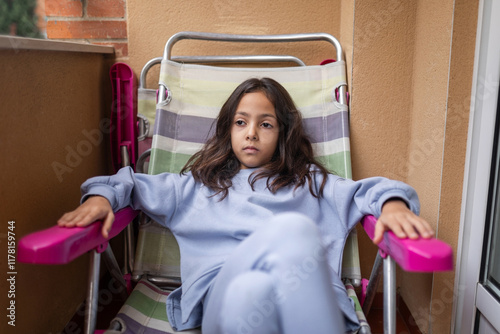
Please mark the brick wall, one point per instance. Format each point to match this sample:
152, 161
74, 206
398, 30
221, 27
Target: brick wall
100, 22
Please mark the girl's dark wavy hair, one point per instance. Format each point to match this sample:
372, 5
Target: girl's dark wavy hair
293, 162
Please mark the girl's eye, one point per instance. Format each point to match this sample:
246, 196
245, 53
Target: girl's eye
240, 122
267, 125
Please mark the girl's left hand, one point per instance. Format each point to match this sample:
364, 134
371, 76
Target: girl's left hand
401, 221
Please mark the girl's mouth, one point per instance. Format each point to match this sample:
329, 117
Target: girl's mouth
250, 149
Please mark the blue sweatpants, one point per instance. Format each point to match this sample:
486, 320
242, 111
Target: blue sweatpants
277, 281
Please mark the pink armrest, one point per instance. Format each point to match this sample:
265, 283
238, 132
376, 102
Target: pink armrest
61, 245
422, 255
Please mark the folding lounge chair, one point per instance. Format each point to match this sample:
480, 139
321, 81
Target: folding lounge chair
190, 95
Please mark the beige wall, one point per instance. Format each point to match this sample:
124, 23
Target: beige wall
416, 68
165, 18
455, 139
48, 99
409, 68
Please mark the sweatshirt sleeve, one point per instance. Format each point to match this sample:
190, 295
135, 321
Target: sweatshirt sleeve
156, 195
355, 199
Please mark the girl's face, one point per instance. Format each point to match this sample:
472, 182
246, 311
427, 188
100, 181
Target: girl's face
255, 130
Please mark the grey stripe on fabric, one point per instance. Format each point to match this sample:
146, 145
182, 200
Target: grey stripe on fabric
331, 127
187, 128
197, 129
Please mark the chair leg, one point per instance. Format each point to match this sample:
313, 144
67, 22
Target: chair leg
92, 293
389, 295
114, 269
129, 249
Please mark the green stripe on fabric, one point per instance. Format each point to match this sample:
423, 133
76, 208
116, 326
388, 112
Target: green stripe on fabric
350, 262
352, 294
163, 161
150, 242
338, 163
303, 97
148, 109
147, 306
357, 304
199, 92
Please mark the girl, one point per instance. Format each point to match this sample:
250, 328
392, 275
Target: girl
261, 225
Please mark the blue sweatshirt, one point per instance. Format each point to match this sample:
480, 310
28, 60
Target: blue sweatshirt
208, 229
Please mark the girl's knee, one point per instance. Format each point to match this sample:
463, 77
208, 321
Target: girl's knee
249, 305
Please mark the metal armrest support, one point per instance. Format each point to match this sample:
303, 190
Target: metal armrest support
61, 245
420, 255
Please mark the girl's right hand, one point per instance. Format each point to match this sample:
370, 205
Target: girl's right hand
94, 208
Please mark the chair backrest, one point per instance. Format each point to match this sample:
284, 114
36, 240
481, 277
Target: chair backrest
146, 111
186, 118
197, 93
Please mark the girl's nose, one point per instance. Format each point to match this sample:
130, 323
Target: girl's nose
252, 133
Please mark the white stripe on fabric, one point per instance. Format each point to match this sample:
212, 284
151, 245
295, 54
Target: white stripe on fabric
282, 74
177, 146
210, 112
331, 147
